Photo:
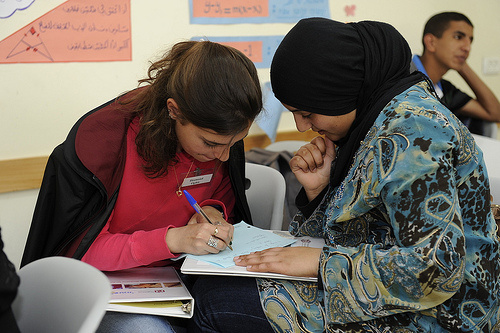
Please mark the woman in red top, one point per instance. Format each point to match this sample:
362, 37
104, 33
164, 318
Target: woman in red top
184, 125
183, 130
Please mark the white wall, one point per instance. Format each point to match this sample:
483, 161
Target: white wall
40, 102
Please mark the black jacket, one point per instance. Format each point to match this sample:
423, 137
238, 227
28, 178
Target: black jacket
82, 179
9, 283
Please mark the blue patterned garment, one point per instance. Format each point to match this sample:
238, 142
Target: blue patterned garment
412, 243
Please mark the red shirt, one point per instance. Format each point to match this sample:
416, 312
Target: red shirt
146, 208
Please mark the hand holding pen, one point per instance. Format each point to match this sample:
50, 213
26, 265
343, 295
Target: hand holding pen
213, 240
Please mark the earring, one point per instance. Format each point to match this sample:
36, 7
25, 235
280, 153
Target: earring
170, 114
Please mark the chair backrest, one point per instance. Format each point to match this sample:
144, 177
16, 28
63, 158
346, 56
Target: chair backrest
59, 294
490, 129
266, 196
491, 157
495, 189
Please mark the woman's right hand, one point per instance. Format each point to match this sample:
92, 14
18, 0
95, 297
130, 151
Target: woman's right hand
312, 163
193, 238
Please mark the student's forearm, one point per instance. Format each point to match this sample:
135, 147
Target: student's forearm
484, 95
110, 252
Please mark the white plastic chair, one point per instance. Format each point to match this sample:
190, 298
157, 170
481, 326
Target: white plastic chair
266, 196
289, 145
491, 130
59, 294
491, 157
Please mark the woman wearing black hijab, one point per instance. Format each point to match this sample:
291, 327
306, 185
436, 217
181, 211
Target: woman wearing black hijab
395, 185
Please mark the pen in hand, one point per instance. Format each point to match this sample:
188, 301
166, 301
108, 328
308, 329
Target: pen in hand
200, 210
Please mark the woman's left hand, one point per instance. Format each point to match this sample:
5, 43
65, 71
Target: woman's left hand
295, 261
311, 165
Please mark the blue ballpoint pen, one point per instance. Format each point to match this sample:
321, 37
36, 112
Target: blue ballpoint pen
199, 210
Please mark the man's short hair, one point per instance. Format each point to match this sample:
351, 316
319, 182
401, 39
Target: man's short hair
438, 23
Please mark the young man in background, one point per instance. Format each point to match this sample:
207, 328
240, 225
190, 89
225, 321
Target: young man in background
447, 41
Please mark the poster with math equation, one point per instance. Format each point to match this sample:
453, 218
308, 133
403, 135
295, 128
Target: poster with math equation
259, 49
255, 11
75, 31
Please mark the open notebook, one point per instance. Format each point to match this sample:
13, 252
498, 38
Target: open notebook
194, 265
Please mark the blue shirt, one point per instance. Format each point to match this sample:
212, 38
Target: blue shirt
437, 86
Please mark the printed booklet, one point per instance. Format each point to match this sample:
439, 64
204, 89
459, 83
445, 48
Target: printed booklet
151, 290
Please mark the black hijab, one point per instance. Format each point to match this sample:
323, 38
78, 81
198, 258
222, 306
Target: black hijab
331, 68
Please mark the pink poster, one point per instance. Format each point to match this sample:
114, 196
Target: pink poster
252, 49
231, 8
76, 31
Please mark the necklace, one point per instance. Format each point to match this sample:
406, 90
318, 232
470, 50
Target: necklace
179, 191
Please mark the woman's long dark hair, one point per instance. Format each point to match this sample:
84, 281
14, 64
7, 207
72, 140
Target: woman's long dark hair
216, 87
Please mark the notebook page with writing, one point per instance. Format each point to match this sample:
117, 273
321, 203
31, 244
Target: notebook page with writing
194, 266
246, 239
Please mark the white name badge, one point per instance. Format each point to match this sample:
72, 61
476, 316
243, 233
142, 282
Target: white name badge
196, 180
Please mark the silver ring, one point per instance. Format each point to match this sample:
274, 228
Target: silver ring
218, 223
213, 242
216, 231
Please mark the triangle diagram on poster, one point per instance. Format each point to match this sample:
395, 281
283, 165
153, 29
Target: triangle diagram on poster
31, 42
74, 31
